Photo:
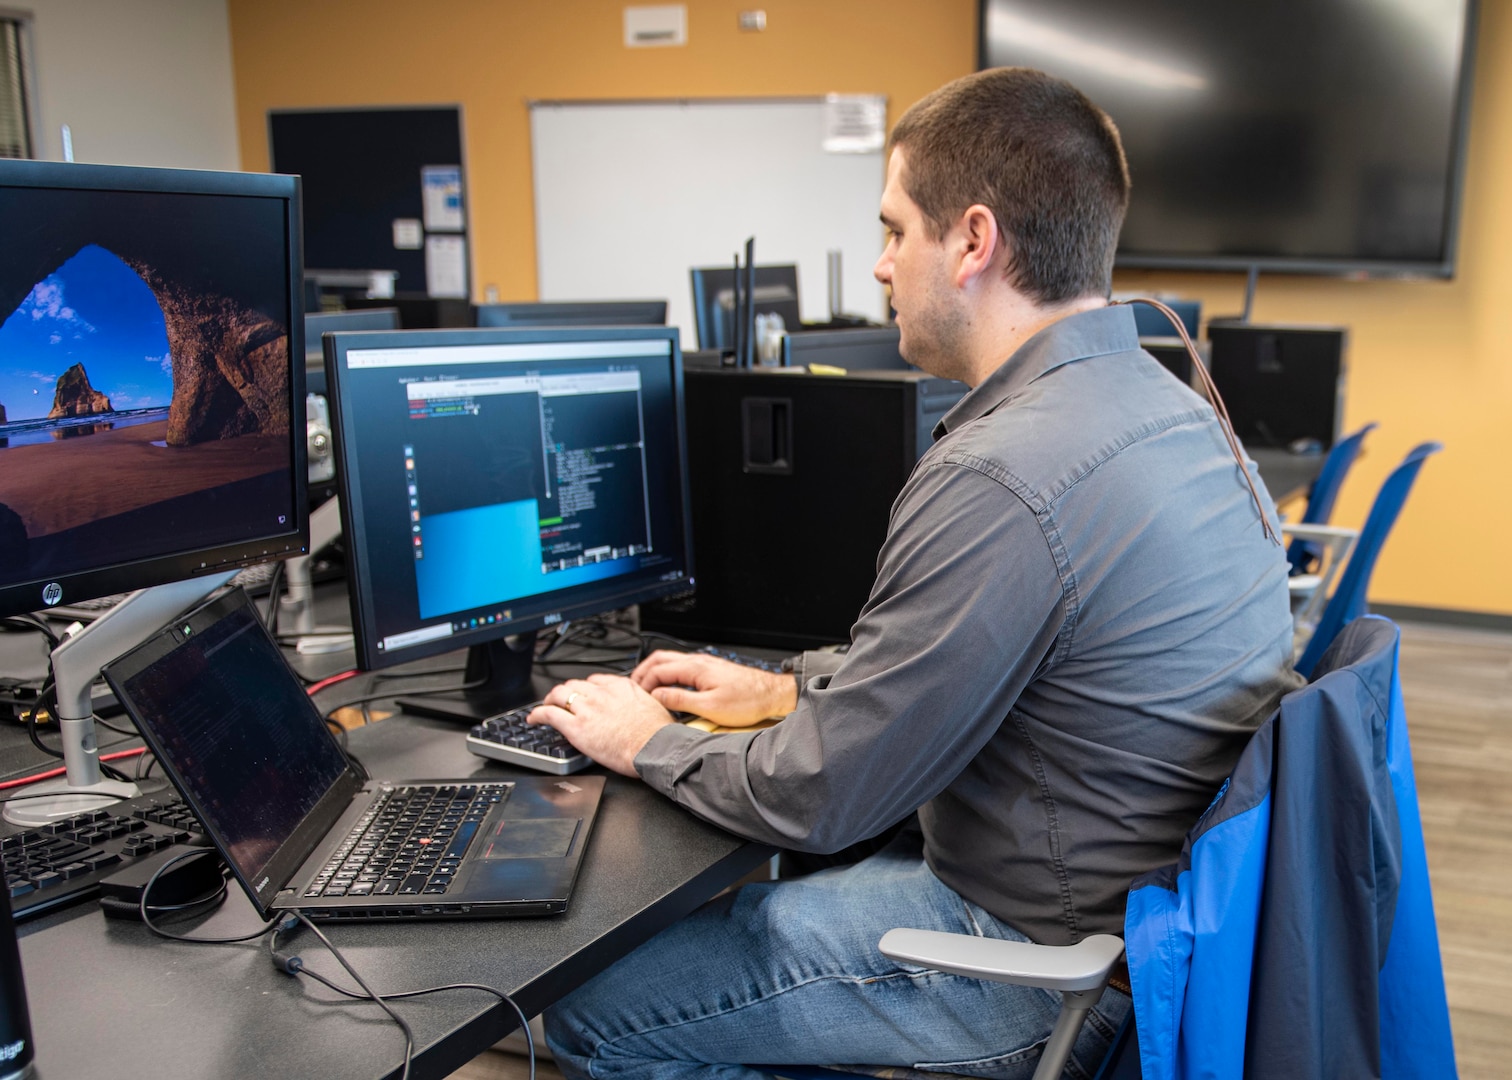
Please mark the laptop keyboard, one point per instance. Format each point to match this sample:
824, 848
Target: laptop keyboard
508, 738
48, 866
410, 842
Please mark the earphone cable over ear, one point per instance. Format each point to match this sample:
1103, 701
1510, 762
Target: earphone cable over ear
1218, 406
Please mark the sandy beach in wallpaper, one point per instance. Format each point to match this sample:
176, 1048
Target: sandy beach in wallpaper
65, 483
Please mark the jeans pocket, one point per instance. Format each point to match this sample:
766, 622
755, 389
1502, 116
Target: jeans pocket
1014, 1065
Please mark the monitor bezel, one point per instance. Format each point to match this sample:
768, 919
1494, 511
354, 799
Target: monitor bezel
131, 575
360, 583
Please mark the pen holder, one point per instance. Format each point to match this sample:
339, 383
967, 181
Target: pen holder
16, 1050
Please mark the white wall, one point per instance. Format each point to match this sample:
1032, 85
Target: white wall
138, 82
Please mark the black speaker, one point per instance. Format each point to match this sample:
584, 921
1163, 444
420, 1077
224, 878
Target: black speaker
792, 478
1283, 384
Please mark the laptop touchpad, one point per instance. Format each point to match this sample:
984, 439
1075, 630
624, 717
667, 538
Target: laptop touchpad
531, 838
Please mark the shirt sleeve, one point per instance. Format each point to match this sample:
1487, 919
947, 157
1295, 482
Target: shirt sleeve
967, 605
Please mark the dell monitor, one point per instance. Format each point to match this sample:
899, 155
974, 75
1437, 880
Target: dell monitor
152, 398
775, 292
497, 482
574, 313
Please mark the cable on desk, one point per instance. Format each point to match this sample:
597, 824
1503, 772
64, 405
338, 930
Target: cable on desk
407, 693
104, 723
31, 622
317, 687
380, 676
50, 773
48, 697
214, 896
144, 908
54, 794
270, 617
294, 965
647, 636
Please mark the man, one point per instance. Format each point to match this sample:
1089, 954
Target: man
1079, 617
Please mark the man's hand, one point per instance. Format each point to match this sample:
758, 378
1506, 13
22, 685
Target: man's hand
607, 717
729, 694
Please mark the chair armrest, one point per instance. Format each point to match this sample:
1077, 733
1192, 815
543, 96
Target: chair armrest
1083, 966
1319, 532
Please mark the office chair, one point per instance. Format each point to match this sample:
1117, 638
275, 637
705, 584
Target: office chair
1347, 602
1295, 935
1303, 554
1318, 550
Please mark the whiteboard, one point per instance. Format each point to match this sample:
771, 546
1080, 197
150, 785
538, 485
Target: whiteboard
629, 195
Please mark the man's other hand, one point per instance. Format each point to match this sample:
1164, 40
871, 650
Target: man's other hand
729, 694
607, 717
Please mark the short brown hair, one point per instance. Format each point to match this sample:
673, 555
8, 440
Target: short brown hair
1036, 152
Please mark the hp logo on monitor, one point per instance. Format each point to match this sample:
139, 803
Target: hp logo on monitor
52, 592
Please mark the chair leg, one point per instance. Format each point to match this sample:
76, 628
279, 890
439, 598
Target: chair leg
1075, 1004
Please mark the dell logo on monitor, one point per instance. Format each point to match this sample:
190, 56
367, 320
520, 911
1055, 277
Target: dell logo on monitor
52, 592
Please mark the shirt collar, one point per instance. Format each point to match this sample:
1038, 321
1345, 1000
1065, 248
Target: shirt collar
1088, 333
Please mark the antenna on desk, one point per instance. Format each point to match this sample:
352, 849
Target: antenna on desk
748, 329
737, 314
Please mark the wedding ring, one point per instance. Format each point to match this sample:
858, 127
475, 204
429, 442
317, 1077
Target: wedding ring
571, 698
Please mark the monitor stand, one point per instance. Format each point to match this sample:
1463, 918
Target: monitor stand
498, 675
76, 664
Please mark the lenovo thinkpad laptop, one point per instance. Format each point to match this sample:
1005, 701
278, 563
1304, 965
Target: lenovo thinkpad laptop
294, 818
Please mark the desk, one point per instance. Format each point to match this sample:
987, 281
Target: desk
1286, 475
109, 1000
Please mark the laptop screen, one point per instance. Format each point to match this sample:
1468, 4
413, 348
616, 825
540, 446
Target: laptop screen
234, 729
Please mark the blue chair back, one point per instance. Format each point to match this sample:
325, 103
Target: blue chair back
1325, 492
1348, 601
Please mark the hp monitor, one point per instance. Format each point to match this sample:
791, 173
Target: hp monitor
152, 408
151, 414
496, 482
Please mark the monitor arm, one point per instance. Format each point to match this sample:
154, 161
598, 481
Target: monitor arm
296, 608
76, 664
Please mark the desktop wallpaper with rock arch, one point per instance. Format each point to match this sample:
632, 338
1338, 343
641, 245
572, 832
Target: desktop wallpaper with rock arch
145, 376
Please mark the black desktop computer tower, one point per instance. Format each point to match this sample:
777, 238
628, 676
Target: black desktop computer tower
793, 477
1283, 385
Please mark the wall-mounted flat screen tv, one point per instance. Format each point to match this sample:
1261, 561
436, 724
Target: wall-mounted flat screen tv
1313, 136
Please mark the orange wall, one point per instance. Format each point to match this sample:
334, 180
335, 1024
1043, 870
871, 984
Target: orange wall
1427, 359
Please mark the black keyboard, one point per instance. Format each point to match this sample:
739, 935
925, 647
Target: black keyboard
508, 738
774, 666
65, 860
409, 842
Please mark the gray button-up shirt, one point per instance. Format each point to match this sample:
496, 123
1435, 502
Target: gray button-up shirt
1076, 624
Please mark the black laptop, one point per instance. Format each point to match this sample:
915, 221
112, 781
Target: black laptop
295, 819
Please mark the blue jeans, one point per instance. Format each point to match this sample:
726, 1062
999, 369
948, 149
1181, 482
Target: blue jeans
788, 972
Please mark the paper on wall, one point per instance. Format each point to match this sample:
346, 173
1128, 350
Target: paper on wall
446, 266
854, 123
441, 191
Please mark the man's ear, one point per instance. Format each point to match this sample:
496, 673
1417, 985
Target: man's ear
980, 243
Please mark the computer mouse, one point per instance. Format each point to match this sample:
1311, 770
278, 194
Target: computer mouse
1305, 446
